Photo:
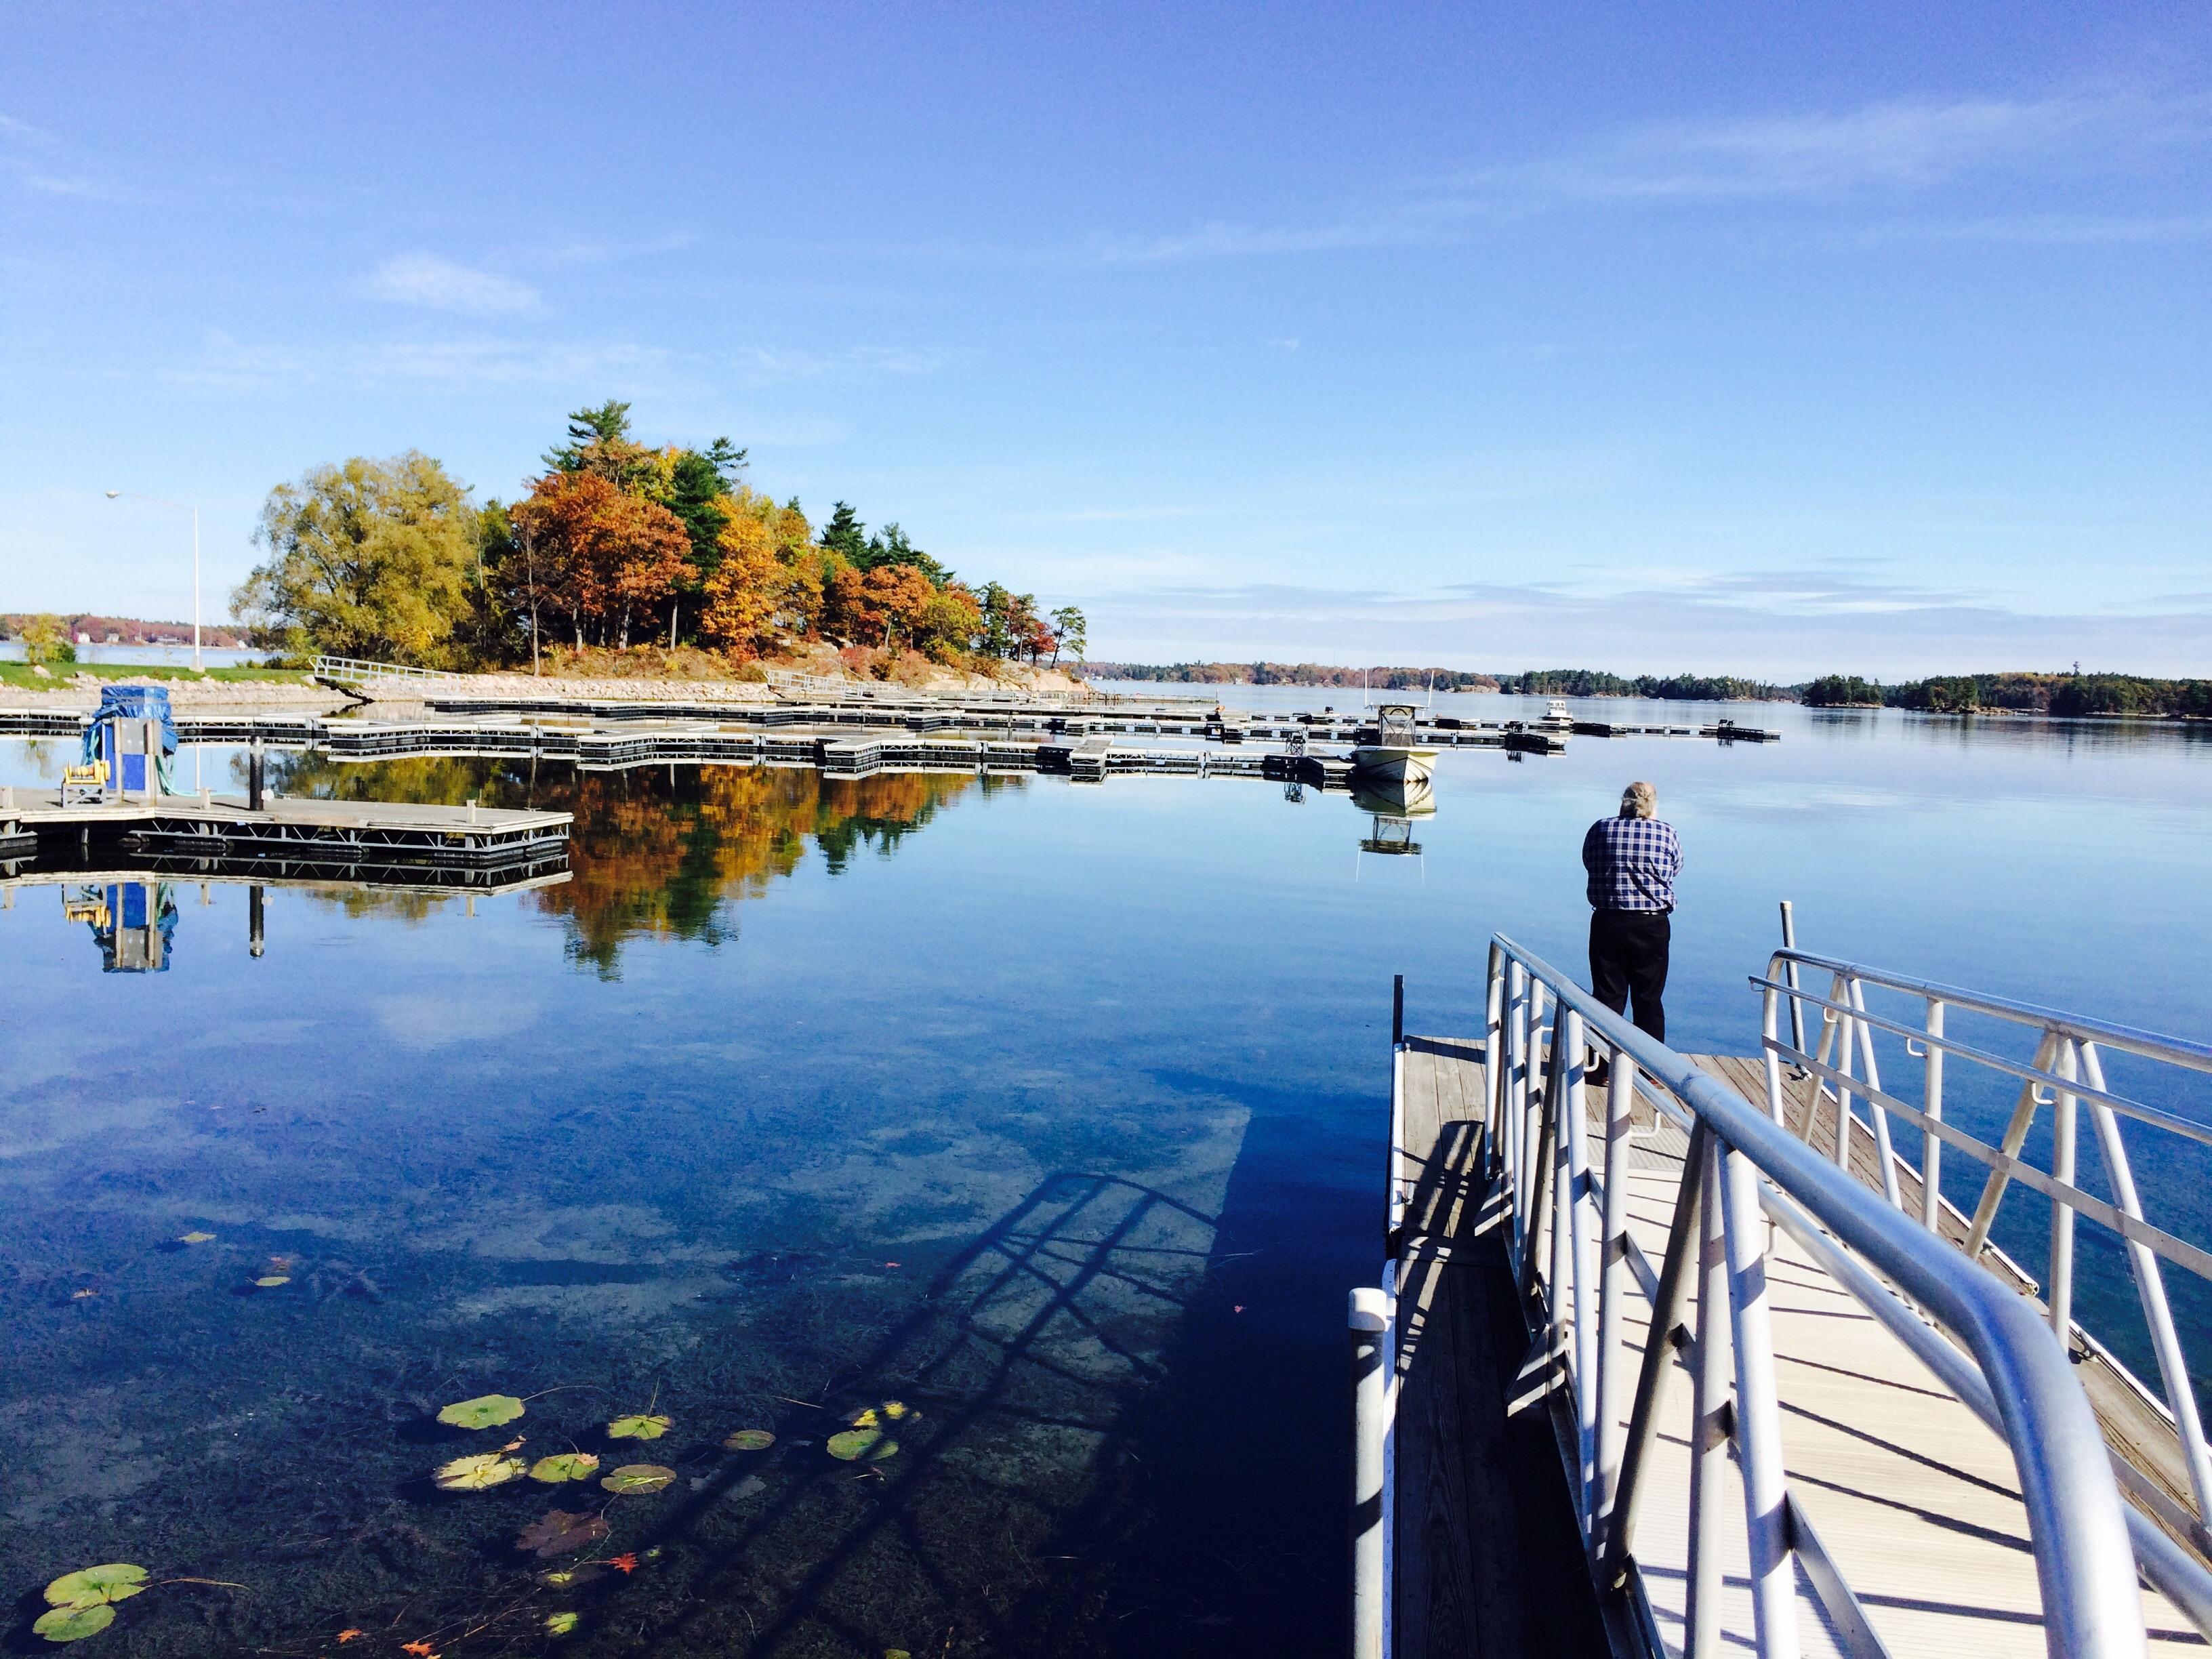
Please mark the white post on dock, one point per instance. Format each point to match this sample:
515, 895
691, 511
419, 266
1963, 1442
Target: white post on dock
1370, 1323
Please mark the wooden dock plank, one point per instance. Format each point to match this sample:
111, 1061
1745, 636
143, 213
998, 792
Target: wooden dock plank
1914, 1497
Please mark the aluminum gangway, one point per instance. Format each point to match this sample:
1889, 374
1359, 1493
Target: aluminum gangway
1801, 1400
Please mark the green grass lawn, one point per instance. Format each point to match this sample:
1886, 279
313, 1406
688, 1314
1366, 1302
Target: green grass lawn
20, 674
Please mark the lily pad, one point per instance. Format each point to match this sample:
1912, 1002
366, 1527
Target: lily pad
75, 1622
270, 1281
560, 1624
117, 1581
632, 1478
749, 1440
558, 1532
195, 1237
639, 1427
855, 1444
486, 1411
565, 1466
475, 1473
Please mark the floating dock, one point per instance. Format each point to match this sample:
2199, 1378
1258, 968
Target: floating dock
299, 829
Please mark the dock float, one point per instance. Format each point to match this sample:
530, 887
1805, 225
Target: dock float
210, 826
1806, 1461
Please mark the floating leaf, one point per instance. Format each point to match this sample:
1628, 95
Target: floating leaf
637, 1428
486, 1411
117, 1581
74, 1623
566, 1466
749, 1440
559, 1532
854, 1444
560, 1624
568, 1578
875, 1416
634, 1478
270, 1281
624, 1564
195, 1237
475, 1473
897, 1653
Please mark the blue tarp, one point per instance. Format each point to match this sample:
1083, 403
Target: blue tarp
131, 702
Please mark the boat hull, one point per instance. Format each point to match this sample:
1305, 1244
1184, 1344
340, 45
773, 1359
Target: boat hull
1384, 763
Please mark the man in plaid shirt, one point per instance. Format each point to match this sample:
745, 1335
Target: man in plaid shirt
1632, 859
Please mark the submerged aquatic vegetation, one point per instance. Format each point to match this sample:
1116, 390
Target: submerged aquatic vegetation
486, 1411
557, 1531
560, 1624
749, 1440
477, 1470
636, 1478
643, 1426
563, 1465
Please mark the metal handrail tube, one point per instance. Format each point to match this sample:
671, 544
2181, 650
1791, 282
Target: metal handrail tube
2129, 1224
2076, 1522
2150, 1045
2025, 1070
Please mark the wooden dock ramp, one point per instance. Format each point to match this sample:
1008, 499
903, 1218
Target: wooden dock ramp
1910, 1495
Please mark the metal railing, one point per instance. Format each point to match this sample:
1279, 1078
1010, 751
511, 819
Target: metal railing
353, 670
1563, 1183
2065, 1075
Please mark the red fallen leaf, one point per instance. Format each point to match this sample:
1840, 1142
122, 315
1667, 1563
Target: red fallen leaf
351, 1635
424, 1648
1240, 1307
891, 1264
559, 1532
623, 1562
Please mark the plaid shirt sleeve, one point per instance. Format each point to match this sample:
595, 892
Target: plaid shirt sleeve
1633, 864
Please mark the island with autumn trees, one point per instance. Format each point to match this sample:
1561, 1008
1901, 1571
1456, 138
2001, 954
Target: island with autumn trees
617, 550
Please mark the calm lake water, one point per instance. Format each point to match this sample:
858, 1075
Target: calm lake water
1053, 1114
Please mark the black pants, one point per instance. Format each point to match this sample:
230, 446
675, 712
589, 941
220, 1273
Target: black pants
1628, 953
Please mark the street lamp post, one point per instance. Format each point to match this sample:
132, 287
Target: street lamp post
194, 510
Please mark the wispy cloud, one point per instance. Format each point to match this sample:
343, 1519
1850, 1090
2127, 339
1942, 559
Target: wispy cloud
439, 284
1893, 154
1781, 624
767, 364
39, 161
227, 364
1889, 147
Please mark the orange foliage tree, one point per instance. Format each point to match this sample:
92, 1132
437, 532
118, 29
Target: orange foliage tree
599, 553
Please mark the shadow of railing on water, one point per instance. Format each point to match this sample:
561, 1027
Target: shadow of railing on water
1025, 1356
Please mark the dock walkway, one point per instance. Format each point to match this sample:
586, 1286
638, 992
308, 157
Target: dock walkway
298, 828
1915, 1500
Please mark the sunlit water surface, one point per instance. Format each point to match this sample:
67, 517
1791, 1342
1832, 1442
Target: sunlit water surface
1054, 1113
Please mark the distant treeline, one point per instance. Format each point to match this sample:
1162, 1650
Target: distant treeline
123, 630
1291, 674
2018, 693
1546, 683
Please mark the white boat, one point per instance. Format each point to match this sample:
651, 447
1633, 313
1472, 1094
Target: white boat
1556, 718
1393, 756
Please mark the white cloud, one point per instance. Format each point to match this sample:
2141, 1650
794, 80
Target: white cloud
1784, 625
775, 363
438, 284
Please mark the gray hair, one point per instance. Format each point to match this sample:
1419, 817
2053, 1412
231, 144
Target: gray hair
1639, 800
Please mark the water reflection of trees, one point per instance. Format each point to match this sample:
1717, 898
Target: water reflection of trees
657, 852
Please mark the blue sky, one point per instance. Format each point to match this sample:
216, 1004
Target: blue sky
1734, 338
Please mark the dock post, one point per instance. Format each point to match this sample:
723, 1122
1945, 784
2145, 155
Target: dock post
1397, 1009
253, 920
1369, 1322
254, 776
